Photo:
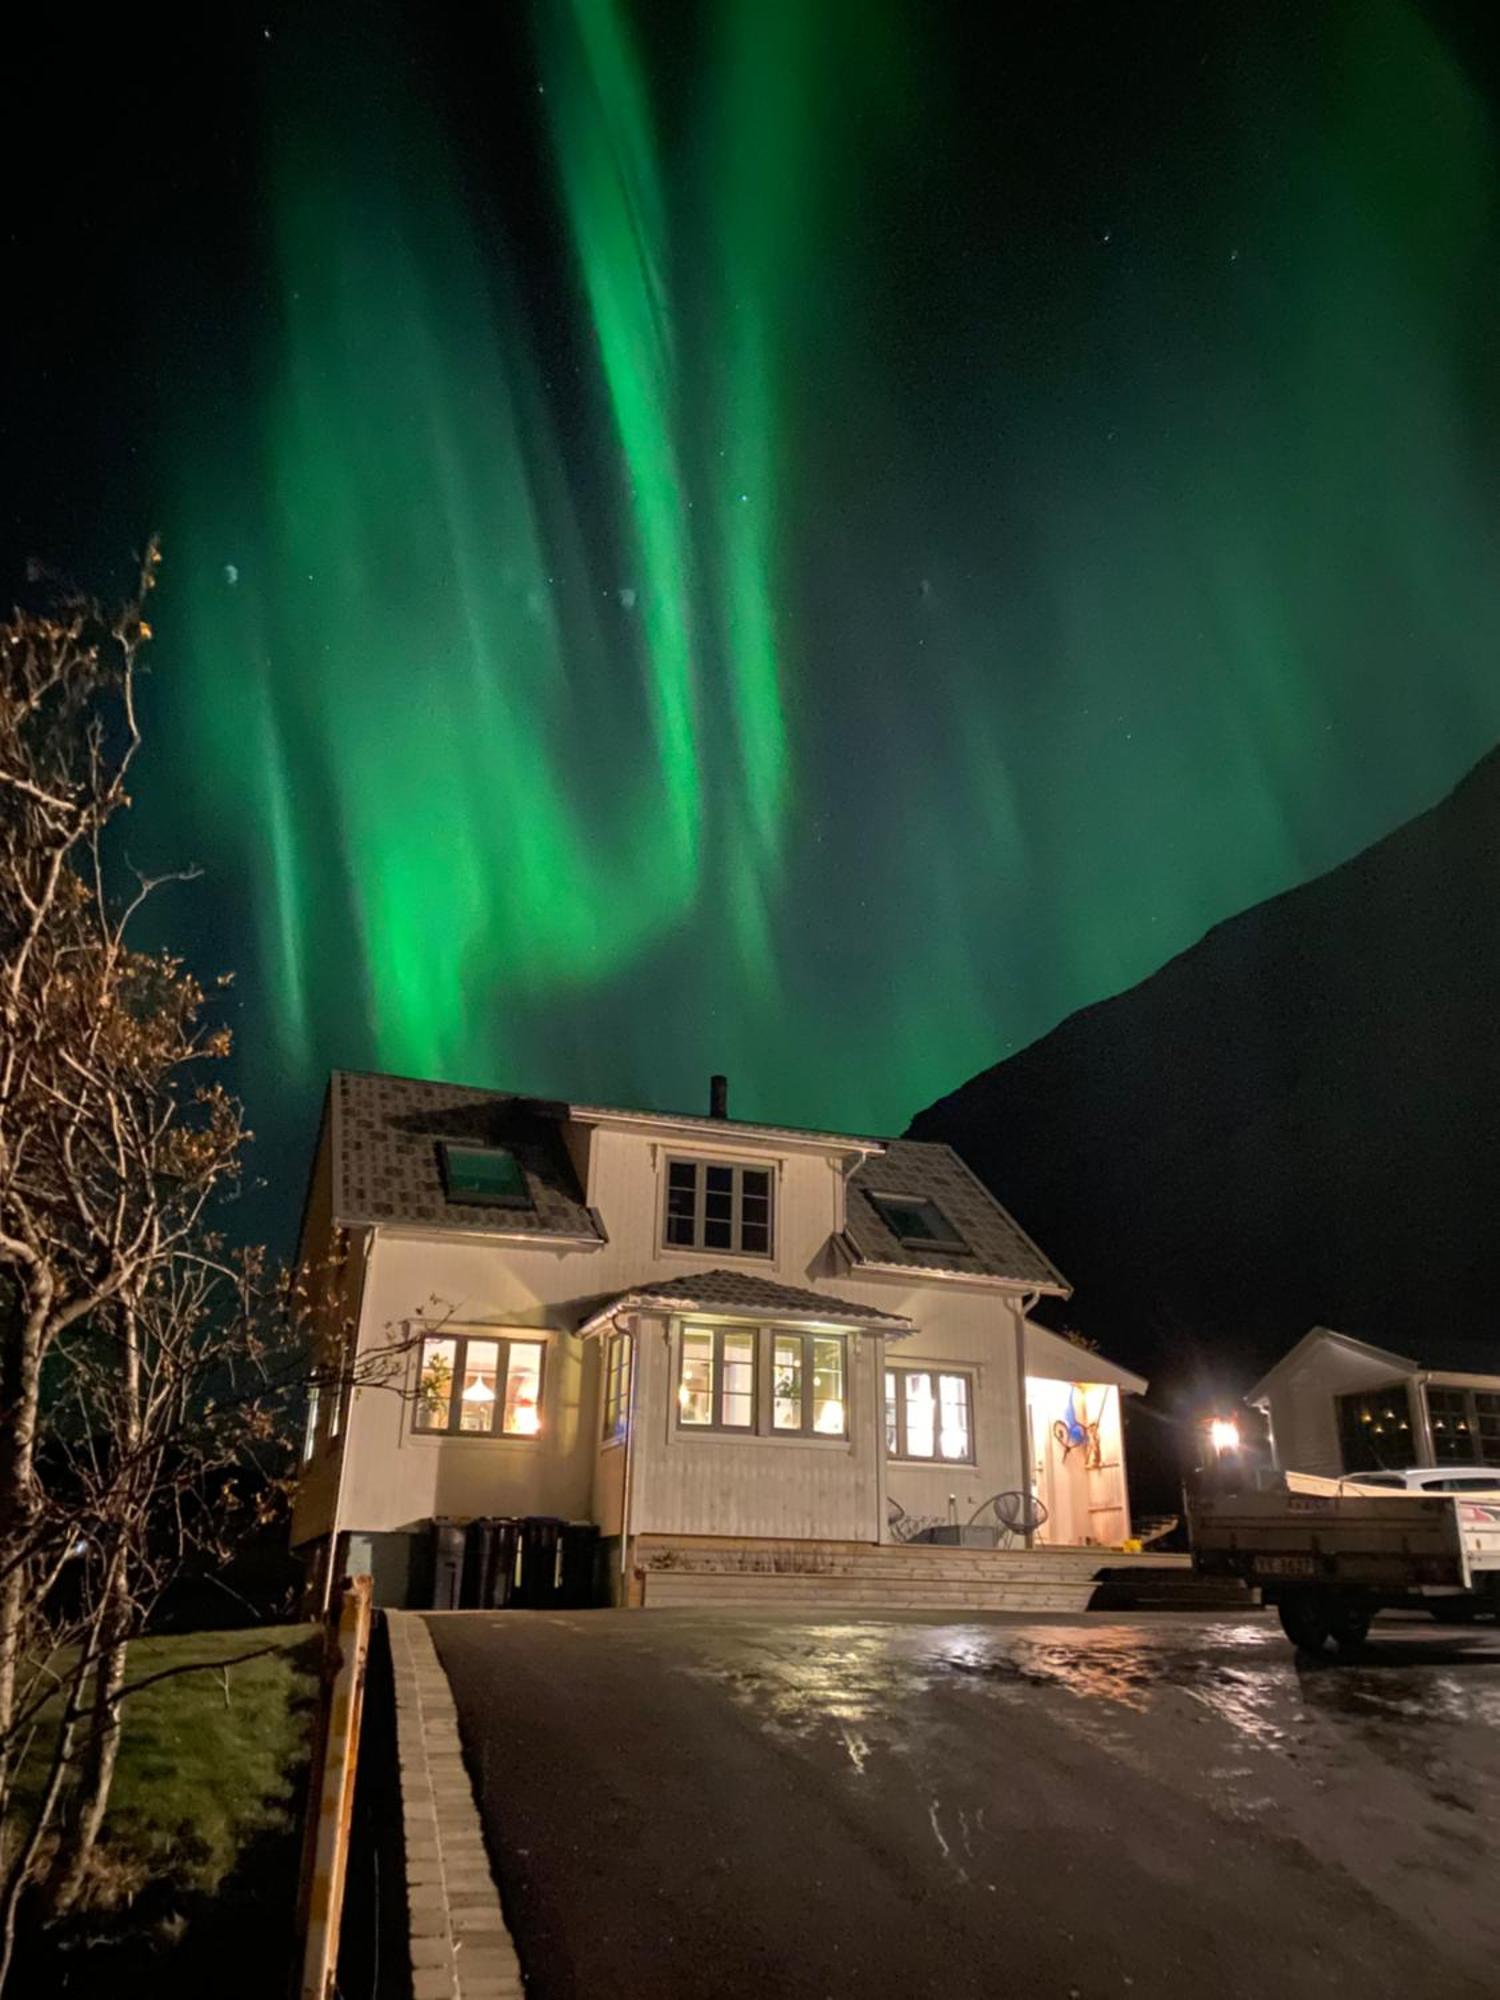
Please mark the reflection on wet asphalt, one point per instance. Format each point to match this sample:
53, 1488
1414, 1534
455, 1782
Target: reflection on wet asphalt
1158, 1801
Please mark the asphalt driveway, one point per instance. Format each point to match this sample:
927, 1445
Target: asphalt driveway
695, 1804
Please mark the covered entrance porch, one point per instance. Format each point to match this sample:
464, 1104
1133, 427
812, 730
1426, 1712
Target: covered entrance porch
1075, 1441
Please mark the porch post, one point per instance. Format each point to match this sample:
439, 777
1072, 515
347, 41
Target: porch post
1023, 1423
882, 1525
1421, 1420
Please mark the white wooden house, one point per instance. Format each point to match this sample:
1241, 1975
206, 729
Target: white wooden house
700, 1334
1335, 1404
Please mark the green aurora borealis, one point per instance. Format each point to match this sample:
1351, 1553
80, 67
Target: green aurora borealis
833, 541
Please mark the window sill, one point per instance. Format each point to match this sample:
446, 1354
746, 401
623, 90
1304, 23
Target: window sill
934, 1464
708, 1433
528, 1443
732, 1256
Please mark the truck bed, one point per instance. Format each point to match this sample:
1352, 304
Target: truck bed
1297, 1527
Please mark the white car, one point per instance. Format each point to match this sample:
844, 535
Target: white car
1434, 1479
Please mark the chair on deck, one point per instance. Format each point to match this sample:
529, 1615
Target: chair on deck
1013, 1513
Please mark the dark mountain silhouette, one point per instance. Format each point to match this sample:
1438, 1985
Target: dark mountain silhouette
1296, 1121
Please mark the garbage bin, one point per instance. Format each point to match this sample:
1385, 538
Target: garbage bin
489, 1564
541, 1562
447, 1564
579, 1589
479, 1543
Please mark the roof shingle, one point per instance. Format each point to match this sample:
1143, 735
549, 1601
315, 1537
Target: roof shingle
743, 1291
998, 1247
387, 1130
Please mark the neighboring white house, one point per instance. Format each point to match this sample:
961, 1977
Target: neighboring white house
681, 1327
1336, 1404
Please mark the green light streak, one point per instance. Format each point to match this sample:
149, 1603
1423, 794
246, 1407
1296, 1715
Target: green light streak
606, 161
1086, 584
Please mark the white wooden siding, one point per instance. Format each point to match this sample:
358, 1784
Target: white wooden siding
1304, 1423
394, 1479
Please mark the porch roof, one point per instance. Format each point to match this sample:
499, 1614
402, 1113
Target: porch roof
1056, 1359
744, 1292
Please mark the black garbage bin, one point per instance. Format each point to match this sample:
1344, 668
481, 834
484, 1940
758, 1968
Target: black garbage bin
489, 1564
540, 1564
579, 1586
479, 1542
447, 1564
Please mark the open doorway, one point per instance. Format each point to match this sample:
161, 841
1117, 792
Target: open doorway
1077, 1462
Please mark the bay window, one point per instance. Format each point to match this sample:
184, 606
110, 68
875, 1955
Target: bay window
762, 1381
618, 1360
807, 1375
929, 1414
479, 1385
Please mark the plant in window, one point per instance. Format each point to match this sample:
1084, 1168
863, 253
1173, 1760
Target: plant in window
436, 1387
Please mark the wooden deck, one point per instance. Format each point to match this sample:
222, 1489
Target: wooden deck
729, 1573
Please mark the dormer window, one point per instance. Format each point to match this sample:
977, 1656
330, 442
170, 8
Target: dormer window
919, 1224
486, 1176
713, 1206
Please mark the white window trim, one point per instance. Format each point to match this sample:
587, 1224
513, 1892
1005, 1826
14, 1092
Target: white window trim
611, 1437
933, 1368
670, 1157
760, 1430
504, 1336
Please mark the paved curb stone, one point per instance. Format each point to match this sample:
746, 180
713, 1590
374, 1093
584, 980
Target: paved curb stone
460, 1946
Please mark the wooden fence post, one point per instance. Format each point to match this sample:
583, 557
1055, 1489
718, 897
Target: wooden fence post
330, 1802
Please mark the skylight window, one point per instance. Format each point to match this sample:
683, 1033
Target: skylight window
490, 1176
919, 1223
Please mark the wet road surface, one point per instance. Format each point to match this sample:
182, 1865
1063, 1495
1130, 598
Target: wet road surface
695, 1804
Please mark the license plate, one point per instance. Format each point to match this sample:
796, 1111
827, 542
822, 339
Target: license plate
1285, 1566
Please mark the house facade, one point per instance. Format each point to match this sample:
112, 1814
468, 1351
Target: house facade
680, 1327
1339, 1405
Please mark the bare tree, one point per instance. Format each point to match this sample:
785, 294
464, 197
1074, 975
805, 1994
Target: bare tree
138, 1360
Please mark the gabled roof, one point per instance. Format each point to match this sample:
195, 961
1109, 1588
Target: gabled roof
386, 1131
998, 1247
1315, 1335
736, 1128
743, 1292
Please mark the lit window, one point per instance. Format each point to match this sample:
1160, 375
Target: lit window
763, 1380
716, 1390
479, 1386
928, 1414
713, 1207
918, 1223
1465, 1424
617, 1365
797, 1361
487, 1176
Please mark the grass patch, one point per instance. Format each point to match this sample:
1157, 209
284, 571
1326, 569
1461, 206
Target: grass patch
198, 1855
212, 1758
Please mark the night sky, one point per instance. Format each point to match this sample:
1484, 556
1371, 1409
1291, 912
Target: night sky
808, 540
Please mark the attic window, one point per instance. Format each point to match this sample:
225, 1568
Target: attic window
490, 1176
919, 1223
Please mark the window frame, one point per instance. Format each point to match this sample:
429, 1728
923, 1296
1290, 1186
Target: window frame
522, 1203
1360, 1416
885, 1199
699, 1247
806, 1338
310, 1436
1471, 1421
762, 1426
619, 1374
720, 1330
902, 1455
502, 1339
